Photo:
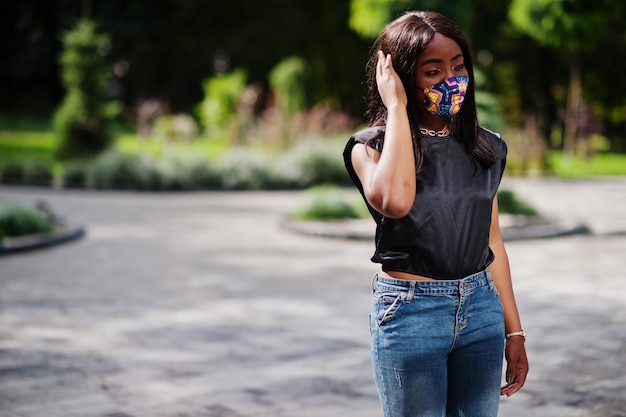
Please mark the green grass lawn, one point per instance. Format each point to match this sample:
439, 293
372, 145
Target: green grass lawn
130, 143
18, 146
601, 164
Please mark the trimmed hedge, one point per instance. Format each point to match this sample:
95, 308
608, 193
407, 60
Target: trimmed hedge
32, 172
310, 164
303, 166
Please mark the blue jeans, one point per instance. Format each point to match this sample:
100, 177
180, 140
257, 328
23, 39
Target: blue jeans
437, 346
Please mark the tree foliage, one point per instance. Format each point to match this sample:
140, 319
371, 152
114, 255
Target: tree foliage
288, 81
368, 17
81, 119
167, 48
222, 95
572, 29
569, 25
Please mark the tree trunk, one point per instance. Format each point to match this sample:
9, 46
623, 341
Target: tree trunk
574, 100
87, 9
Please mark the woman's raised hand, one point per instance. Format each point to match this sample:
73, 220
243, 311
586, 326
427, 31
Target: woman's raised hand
389, 84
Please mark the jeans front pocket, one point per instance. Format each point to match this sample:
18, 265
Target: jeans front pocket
386, 306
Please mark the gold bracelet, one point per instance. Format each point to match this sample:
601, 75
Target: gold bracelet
520, 333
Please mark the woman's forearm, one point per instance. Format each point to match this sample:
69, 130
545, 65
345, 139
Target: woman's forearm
501, 273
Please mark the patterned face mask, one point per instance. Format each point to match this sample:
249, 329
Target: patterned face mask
445, 98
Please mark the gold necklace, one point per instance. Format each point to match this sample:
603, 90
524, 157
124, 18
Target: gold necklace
439, 133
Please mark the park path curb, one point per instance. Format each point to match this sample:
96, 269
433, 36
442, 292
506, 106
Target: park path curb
31, 242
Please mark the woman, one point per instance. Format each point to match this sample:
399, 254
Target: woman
444, 311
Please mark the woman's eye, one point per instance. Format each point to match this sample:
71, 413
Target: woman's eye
432, 73
459, 67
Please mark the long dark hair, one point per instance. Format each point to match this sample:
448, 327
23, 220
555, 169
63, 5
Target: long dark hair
405, 39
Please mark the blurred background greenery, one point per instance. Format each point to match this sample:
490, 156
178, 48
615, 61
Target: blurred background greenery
243, 94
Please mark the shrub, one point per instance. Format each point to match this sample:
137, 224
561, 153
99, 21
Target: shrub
196, 171
328, 203
222, 96
243, 169
311, 164
81, 121
114, 170
75, 175
509, 203
12, 173
37, 172
161, 174
32, 172
173, 171
175, 128
204, 176
19, 221
170, 172
288, 81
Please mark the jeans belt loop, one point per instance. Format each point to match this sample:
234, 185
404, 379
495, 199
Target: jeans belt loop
489, 279
374, 282
411, 292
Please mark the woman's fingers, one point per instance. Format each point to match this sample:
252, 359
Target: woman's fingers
515, 382
381, 64
512, 385
389, 85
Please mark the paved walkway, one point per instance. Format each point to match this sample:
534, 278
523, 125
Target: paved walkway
201, 305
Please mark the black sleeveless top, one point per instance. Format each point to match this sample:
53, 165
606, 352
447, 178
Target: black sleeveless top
446, 233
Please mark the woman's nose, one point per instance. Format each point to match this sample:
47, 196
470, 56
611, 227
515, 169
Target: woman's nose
448, 74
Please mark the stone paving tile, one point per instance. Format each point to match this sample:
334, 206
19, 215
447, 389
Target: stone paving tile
200, 304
